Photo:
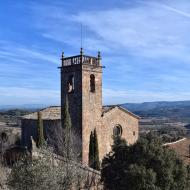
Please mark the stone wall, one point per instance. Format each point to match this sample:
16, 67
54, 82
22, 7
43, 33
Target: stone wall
91, 106
116, 116
29, 129
105, 125
74, 97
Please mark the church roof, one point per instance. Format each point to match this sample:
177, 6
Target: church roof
50, 113
54, 112
111, 107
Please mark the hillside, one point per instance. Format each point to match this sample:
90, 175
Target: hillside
178, 111
170, 120
13, 115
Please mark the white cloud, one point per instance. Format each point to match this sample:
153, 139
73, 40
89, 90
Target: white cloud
19, 53
19, 95
115, 96
150, 30
183, 13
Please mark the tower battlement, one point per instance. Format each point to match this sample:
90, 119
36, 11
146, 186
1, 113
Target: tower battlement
81, 59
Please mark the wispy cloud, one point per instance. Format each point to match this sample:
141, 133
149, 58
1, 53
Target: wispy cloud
145, 29
28, 95
112, 96
149, 30
183, 13
19, 53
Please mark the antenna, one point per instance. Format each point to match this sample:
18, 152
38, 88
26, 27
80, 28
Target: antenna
81, 33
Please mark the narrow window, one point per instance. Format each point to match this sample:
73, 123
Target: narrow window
92, 83
117, 131
70, 84
133, 133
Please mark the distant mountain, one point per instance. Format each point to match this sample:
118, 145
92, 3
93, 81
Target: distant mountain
179, 110
152, 105
24, 106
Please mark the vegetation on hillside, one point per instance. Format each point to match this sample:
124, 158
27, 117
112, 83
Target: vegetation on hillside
45, 172
13, 115
146, 165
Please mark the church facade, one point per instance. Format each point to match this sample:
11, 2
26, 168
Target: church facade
81, 82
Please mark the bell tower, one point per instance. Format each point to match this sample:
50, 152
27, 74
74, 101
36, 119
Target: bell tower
81, 81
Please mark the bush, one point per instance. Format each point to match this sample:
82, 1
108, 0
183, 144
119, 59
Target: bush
146, 165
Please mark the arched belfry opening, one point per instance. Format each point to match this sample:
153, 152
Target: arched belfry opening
70, 84
92, 83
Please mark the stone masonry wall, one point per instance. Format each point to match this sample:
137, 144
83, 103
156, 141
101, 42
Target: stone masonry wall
29, 129
75, 97
130, 129
91, 106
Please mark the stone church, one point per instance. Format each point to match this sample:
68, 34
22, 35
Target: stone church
81, 82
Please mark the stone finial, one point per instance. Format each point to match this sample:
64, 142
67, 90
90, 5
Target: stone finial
81, 51
99, 57
62, 56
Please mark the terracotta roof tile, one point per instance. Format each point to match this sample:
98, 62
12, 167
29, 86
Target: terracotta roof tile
182, 149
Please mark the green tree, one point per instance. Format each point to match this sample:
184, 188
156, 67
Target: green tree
94, 161
96, 152
66, 125
67, 128
91, 150
40, 131
146, 165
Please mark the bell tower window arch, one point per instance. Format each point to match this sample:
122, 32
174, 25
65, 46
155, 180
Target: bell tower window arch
70, 84
92, 83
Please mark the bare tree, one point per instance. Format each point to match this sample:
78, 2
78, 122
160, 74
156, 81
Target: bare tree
76, 173
69, 153
47, 171
56, 138
3, 177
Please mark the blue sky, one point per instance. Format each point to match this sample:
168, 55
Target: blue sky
145, 47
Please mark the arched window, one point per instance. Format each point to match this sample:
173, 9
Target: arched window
117, 131
92, 83
70, 84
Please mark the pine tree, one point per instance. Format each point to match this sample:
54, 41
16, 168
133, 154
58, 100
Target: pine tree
67, 128
94, 161
67, 137
40, 131
91, 150
96, 152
